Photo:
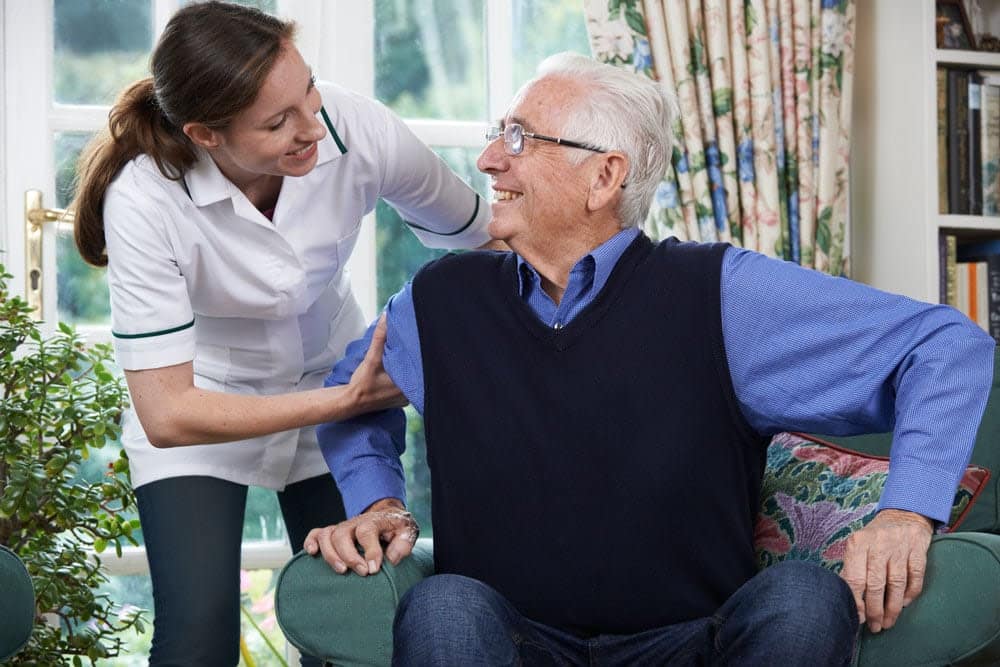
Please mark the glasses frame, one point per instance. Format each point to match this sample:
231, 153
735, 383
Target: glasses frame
513, 139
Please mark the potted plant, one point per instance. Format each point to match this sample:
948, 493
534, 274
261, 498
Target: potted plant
58, 401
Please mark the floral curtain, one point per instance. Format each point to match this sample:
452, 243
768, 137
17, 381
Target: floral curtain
762, 141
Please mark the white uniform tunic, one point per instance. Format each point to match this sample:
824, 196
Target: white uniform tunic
198, 274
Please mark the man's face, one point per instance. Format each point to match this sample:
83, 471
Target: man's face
540, 196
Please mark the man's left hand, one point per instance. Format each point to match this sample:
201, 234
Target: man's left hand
884, 565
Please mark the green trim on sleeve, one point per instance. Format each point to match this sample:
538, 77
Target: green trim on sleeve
162, 332
475, 213
333, 132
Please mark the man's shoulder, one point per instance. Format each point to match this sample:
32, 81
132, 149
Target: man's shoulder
468, 261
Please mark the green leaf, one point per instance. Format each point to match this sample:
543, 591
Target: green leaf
722, 101
100, 544
635, 20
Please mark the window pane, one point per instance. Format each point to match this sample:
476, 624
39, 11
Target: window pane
430, 58
83, 289
129, 592
542, 28
100, 47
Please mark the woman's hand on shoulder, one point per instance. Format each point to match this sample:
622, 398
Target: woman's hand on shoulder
371, 389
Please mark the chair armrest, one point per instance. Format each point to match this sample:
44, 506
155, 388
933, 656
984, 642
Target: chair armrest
17, 604
956, 620
344, 618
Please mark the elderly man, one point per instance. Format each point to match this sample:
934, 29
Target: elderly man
597, 409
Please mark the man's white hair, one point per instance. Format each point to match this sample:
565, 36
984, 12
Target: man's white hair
622, 111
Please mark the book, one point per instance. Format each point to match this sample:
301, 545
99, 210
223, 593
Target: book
942, 139
990, 147
942, 268
958, 141
981, 291
985, 252
951, 270
993, 295
977, 251
962, 289
974, 154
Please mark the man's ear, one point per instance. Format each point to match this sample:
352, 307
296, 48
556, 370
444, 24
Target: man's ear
201, 135
607, 181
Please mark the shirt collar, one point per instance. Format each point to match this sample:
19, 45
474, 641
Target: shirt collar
602, 260
207, 185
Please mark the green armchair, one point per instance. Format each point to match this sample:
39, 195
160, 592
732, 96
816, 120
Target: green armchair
347, 619
17, 604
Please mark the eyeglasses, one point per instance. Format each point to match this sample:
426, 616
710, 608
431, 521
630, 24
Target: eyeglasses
513, 139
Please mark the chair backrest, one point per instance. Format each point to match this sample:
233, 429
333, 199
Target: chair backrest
17, 604
985, 514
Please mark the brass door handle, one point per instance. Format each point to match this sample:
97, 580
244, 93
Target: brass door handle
35, 217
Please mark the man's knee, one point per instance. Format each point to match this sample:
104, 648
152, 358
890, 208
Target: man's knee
206, 633
449, 619
790, 611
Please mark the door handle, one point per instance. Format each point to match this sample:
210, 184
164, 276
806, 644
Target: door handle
35, 218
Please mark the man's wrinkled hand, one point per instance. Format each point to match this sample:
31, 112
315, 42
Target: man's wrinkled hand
884, 565
385, 521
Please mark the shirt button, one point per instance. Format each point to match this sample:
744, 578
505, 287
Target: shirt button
557, 326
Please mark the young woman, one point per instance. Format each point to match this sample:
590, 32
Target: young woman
225, 198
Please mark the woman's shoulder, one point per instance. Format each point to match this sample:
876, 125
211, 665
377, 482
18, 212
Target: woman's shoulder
141, 190
350, 108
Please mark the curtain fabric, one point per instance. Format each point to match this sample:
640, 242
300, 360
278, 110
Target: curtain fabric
762, 140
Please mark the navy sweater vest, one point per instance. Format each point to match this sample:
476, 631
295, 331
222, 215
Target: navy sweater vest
601, 477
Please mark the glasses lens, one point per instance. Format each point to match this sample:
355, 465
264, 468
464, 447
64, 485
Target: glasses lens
513, 138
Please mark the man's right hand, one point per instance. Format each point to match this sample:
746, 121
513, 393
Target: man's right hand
385, 521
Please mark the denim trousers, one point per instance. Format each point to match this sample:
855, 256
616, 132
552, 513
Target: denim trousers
790, 614
193, 528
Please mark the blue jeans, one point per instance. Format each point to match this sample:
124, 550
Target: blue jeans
793, 613
193, 527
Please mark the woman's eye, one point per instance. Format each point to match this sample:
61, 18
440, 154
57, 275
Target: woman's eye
277, 126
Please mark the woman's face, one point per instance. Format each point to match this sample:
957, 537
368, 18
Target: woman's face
277, 135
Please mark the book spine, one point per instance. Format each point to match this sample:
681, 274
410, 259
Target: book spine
962, 289
991, 149
958, 142
975, 145
942, 268
951, 270
993, 278
942, 139
982, 296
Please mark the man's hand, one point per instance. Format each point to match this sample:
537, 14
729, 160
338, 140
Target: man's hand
385, 521
884, 565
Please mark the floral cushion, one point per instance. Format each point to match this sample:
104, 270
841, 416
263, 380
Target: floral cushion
816, 494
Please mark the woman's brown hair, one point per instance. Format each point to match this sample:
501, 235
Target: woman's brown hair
208, 65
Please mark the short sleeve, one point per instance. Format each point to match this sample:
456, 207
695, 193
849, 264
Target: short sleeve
152, 322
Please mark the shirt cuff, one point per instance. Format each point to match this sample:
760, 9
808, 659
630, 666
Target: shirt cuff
918, 488
157, 350
369, 484
472, 232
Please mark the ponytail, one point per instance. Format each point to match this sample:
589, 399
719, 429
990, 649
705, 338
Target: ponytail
136, 126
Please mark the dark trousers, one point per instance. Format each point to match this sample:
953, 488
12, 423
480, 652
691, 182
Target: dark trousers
793, 613
193, 528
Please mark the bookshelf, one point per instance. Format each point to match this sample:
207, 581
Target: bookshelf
894, 184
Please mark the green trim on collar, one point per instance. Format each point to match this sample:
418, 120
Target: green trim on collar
333, 132
154, 333
461, 229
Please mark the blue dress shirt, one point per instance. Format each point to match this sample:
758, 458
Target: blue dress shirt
807, 352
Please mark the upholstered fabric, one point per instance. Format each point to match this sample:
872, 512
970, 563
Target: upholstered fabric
816, 494
343, 618
17, 604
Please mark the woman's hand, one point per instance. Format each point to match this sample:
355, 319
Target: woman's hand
371, 388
